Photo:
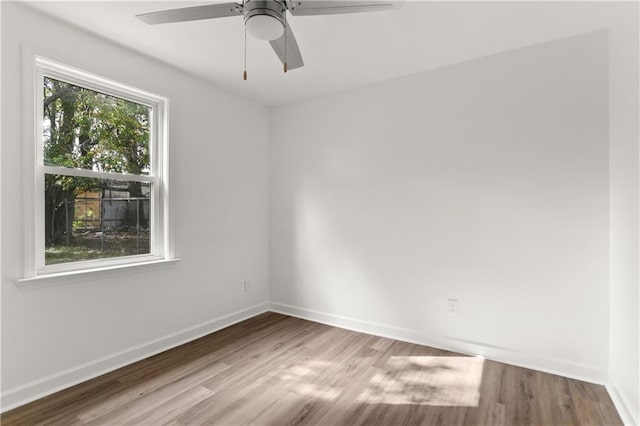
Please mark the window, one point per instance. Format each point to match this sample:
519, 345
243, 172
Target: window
100, 189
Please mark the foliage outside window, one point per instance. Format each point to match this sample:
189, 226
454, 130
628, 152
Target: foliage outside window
98, 172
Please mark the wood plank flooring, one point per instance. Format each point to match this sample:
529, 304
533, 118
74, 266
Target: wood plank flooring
279, 370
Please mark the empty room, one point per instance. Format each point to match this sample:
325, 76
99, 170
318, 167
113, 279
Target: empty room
278, 212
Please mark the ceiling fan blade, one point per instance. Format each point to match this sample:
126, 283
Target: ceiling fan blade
332, 7
293, 57
209, 11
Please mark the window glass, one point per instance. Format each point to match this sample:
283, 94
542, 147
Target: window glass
91, 219
86, 129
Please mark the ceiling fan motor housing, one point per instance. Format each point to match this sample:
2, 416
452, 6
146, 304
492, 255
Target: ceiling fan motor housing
267, 11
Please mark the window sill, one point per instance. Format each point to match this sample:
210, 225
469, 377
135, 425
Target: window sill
70, 277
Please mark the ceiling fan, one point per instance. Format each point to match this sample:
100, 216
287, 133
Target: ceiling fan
267, 19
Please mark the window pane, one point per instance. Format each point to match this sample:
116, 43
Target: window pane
90, 130
88, 218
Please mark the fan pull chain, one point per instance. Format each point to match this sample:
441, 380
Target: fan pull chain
285, 41
244, 76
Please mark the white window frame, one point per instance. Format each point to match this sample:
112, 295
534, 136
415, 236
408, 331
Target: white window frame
35, 170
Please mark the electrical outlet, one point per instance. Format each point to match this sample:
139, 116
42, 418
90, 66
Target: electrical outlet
247, 286
452, 306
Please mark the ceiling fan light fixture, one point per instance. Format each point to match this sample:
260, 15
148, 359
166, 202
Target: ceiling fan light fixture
264, 27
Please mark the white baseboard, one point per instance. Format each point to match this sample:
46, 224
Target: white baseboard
623, 407
559, 367
21, 395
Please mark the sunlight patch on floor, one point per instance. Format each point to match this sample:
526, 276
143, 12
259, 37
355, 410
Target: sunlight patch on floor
305, 379
426, 380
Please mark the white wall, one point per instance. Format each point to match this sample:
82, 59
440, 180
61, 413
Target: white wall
219, 178
486, 182
624, 374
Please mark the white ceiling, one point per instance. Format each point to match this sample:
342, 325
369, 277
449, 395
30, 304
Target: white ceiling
340, 51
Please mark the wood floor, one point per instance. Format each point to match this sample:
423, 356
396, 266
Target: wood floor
278, 370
